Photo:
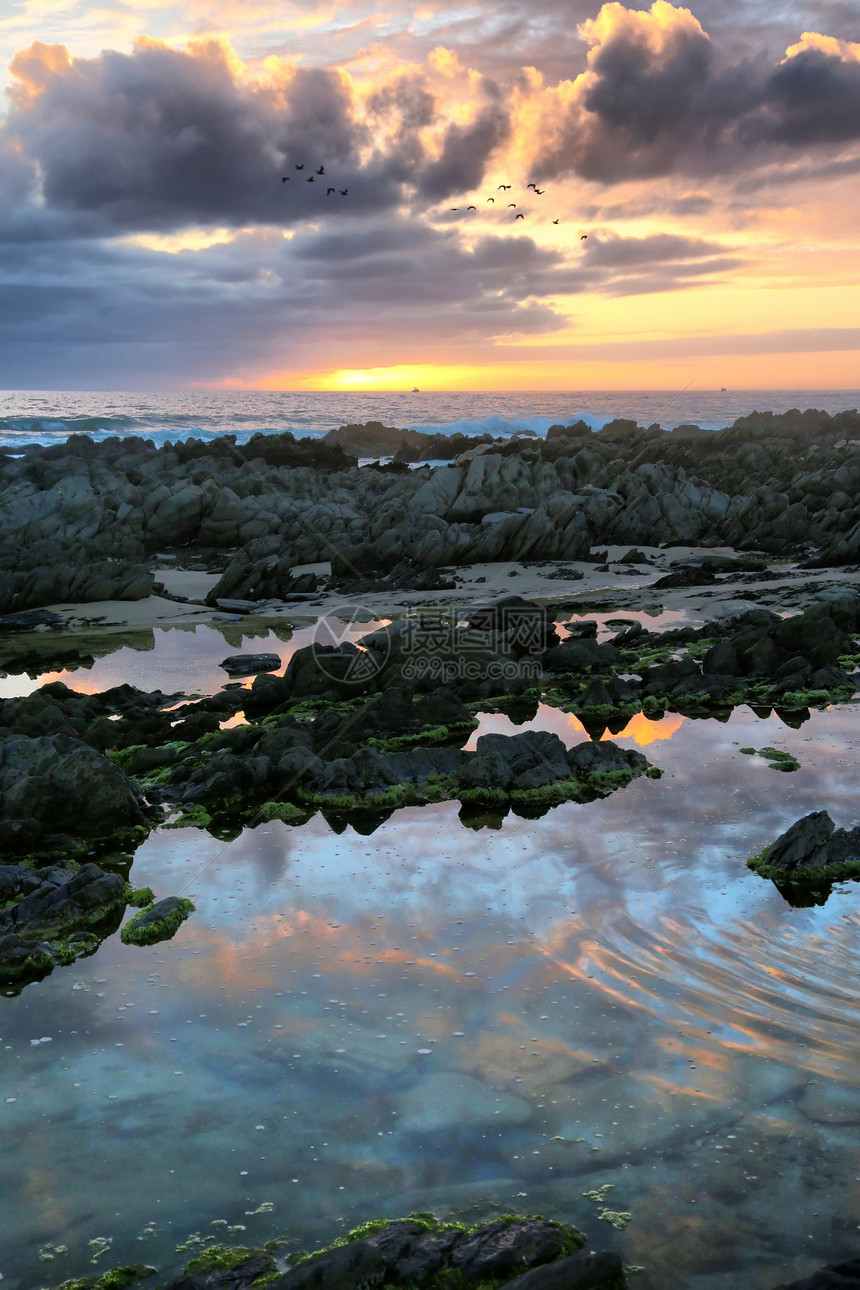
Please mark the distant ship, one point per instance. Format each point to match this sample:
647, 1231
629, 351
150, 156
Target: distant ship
722, 389
415, 390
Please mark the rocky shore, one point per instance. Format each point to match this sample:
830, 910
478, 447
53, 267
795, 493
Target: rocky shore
83, 520
657, 574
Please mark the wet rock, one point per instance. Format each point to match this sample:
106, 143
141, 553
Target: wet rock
157, 922
810, 853
414, 1251
583, 1271
344, 1268
79, 900
836, 1276
65, 787
247, 664
239, 1277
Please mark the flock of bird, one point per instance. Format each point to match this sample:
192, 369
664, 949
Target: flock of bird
344, 192
311, 179
538, 192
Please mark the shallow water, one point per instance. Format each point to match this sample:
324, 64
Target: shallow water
468, 1021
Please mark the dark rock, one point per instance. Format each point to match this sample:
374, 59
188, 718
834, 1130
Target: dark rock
247, 664
240, 1277
813, 851
86, 899
836, 1276
347, 1267
583, 1271
504, 1248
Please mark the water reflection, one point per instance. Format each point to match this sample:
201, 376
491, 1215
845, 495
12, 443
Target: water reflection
431, 1018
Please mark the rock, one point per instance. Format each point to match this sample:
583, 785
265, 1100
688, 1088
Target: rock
583, 1271
812, 852
503, 1248
247, 664
85, 899
239, 1277
836, 1276
65, 787
417, 1250
344, 1268
158, 922
236, 606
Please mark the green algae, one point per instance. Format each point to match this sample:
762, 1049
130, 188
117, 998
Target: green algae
778, 759
141, 897
115, 1279
287, 812
193, 817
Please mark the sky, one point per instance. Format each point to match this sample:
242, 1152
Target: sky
305, 194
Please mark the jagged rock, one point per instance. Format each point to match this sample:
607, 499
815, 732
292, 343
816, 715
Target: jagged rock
813, 851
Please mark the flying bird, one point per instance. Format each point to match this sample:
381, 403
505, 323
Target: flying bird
555, 221
531, 186
510, 204
329, 191
539, 192
520, 216
584, 236
343, 191
471, 208
453, 208
321, 170
503, 188
310, 179
299, 167
285, 179
491, 199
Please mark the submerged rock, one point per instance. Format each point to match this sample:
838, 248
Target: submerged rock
836, 1276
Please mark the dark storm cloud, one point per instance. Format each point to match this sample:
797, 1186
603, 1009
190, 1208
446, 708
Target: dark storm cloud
659, 98
465, 151
161, 139
813, 98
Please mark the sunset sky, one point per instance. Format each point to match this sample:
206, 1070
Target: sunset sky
711, 156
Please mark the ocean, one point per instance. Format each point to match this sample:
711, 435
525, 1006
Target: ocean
46, 417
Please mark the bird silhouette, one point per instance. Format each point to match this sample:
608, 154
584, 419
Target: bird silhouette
329, 191
343, 191
555, 221
503, 188
584, 236
520, 216
285, 179
453, 208
491, 199
321, 170
471, 208
299, 167
539, 192
531, 185
310, 179
510, 204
